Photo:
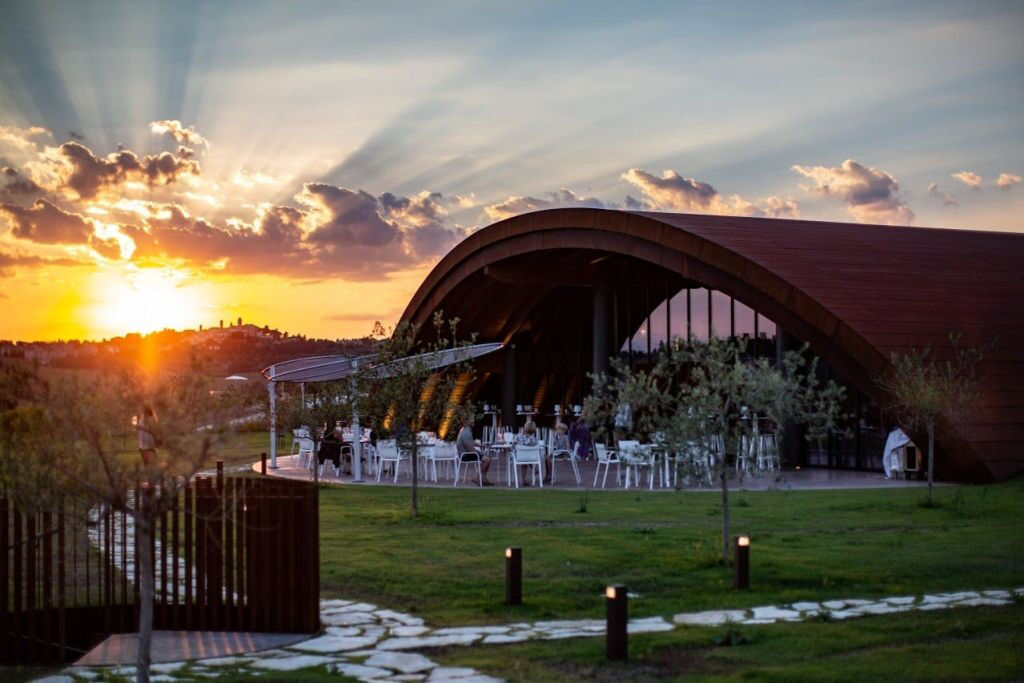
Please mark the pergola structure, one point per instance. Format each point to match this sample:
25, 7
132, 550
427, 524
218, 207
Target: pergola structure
303, 371
564, 289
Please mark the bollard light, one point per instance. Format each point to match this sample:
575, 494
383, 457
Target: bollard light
263, 463
513, 576
741, 563
616, 647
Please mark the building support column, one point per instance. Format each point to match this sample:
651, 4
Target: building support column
509, 387
600, 317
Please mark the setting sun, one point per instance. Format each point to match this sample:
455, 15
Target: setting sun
145, 300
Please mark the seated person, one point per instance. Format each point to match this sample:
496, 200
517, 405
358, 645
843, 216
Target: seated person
528, 437
330, 449
470, 450
560, 445
580, 433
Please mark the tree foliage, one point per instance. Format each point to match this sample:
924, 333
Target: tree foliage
63, 437
700, 392
924, 388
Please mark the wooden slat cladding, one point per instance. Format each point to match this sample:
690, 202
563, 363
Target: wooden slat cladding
238, 554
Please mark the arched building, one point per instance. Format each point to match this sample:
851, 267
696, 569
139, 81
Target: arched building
567, 288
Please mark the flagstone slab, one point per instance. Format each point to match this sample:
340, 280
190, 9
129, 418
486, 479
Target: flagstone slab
881, 608
710, 617
406, 631
291, 663
649, 625
359, 607
450, 673
757, 622
427, 641
564, 624
858, 603
162, 668
806, 606
471, 629
327, 644
772, 612
345, 631
834, 604
348, 619
498, 639
1002, 595
361, 671
406, 662
983, 602
404, 619
902, 600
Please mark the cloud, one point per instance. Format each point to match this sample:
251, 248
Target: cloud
14, 184
1007, 180
947, 198
76, 168
871, 195
21, 139
971, 180
515, 205
179, 133
674, 192
47, 224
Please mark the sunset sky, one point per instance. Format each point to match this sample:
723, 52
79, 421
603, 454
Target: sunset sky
304, 164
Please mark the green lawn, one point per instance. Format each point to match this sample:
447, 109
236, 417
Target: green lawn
954, 645
448, 565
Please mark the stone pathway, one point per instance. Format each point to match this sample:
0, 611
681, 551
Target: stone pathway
373, 644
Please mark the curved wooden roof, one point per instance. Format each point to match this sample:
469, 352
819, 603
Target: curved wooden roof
855, 292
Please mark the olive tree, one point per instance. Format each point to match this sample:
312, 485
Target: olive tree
62, 440
923, 388
705, 391
406, 392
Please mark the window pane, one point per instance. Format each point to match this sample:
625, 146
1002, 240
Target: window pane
678, 318
765, 327
699, 313
659, 326
744, 320
721, 322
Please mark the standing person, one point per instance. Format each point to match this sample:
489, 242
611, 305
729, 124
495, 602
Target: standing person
470, 450
580, 433
145, 425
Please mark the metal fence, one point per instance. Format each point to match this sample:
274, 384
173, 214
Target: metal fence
229, 554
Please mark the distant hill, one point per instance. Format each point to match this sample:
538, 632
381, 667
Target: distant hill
220, 351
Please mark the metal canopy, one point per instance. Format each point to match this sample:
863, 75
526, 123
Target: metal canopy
327, 368
315, 368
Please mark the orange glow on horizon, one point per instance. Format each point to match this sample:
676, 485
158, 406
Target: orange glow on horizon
143, 300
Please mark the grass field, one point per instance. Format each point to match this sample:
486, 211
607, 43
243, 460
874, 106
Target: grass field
448, 566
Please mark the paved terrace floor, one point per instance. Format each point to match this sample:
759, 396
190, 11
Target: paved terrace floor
807, 478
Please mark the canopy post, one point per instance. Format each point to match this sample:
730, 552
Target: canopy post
302, 388
271, 386
357, 431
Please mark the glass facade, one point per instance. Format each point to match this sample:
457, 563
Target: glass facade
700, 312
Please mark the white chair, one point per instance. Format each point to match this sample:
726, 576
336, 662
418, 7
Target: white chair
305, 452
388, 452
634, 457
607, 458
572, 456
528, 456
444, 452
463, 462
768, 453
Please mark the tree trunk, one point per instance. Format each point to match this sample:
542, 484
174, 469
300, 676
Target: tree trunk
415, 476
931, 456
725, 512
143, 538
